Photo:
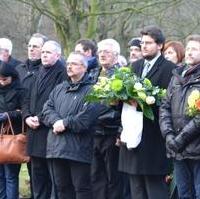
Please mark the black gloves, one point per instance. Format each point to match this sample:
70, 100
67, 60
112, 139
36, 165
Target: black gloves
175, 144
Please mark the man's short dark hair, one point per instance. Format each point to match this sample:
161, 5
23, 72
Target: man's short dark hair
155, 33
88, 45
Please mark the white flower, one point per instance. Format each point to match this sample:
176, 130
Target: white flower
150, 100
138, 86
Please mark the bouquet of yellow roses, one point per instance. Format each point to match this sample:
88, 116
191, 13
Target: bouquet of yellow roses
193, 103
124, 86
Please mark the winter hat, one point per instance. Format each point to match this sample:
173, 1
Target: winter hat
135, 42
6, 70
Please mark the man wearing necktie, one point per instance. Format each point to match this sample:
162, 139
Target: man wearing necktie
147, 165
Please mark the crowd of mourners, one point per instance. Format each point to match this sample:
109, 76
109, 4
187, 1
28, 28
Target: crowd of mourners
75, 146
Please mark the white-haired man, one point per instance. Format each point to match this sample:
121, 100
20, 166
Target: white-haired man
6, 47
51, 73
105, 175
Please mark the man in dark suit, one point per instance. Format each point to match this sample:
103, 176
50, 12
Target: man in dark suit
147, 164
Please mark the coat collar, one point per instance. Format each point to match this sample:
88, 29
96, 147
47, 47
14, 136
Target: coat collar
153, 69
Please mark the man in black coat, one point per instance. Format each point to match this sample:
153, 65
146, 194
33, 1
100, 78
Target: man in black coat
31, 66
147, 164
50, 74
29, 69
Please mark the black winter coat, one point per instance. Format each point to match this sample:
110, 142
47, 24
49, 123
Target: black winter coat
10, 102
149, 157
45, 81
67, 102
173, 112
13, 62
27, 71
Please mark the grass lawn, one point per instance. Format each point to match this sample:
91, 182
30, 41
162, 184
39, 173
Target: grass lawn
24, 185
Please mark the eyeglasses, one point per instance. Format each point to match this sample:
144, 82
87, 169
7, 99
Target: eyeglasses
104, 52
147, 42
73, 64
33, 46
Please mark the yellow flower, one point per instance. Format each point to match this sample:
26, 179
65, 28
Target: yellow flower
117, 85
195, 95
97, 87
125, 69
107, 87
142, 95
147, 82
103, 81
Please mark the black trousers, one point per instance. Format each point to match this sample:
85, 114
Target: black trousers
105, 175
41, 181
70, 179
148, 187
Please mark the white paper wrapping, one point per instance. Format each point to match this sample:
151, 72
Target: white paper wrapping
132, 123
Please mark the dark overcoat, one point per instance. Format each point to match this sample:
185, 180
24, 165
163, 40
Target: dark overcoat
149, 157
33, 105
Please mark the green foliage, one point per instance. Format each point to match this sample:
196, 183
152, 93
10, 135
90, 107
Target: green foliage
24, 182
126, 86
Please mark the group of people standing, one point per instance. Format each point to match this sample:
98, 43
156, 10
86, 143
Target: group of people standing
75, 145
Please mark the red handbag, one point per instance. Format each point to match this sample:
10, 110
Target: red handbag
12, 147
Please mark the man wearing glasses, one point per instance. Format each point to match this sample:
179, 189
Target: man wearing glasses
69, 143
105, 175
29, 69
147, 164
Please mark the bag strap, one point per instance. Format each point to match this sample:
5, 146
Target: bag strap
5, 128
2, 129
10, 124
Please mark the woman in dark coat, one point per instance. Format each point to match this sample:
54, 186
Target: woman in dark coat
10, 98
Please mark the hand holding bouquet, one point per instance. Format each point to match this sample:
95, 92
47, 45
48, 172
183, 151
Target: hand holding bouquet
125, 86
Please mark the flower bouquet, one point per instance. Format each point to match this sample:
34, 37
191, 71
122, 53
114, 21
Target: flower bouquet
193, 103
125, 86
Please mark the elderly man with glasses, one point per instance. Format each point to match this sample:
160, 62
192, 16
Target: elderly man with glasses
69, 144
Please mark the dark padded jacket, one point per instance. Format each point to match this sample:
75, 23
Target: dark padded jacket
173, 112
67, 102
